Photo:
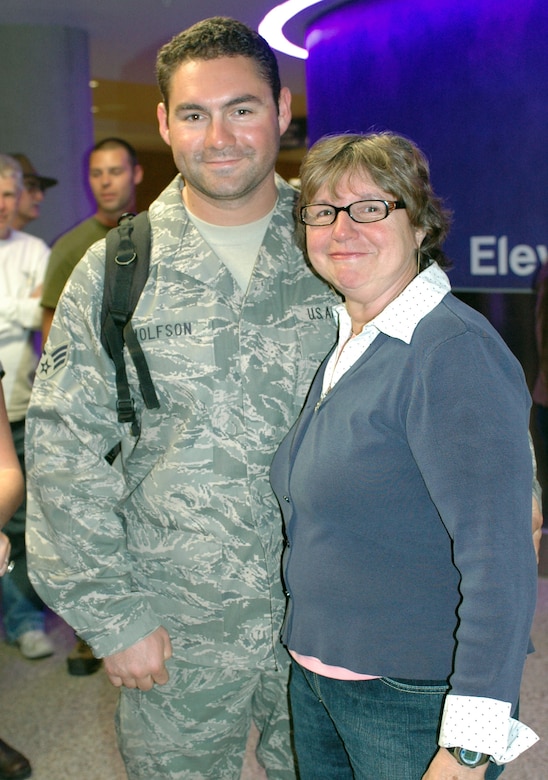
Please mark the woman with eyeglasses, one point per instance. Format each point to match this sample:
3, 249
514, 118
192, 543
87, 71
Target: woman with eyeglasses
12, 763
405, 488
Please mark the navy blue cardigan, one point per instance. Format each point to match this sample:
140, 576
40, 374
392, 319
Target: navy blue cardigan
406, 498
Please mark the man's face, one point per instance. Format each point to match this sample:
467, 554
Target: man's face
32, 196
113, 179
9, 197
223, 126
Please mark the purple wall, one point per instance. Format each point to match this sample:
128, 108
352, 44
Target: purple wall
468, 81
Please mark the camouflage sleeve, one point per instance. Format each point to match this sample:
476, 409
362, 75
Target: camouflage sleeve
78, 558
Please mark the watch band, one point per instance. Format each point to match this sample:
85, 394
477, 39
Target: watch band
469, 758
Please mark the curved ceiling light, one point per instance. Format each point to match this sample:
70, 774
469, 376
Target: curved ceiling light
272, 25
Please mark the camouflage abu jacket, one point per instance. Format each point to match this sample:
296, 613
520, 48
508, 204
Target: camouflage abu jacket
183, 531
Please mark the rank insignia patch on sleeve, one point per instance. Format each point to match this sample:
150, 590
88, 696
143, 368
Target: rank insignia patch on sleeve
52, 360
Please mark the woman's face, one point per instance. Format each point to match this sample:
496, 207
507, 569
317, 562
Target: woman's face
369, 263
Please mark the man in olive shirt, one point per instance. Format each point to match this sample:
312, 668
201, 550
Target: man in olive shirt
113, 176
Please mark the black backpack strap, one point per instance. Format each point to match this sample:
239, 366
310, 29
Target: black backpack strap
126, 272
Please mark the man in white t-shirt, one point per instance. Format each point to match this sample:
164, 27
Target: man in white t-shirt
23, 261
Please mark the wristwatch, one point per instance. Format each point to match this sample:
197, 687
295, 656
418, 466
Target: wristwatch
469, 758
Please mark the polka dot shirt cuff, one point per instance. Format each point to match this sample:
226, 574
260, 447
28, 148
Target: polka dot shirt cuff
484, 725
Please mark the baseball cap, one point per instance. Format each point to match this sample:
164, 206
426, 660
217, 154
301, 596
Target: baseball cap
29, 171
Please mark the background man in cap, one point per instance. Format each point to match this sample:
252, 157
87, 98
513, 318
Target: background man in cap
32, 195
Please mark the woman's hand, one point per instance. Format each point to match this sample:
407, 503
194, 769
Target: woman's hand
444, 767
537, 527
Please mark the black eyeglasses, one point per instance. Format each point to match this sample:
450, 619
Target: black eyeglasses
321, 214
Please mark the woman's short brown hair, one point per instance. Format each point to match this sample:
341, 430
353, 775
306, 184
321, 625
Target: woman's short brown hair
396, 165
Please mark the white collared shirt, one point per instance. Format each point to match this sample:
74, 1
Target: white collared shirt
399, 320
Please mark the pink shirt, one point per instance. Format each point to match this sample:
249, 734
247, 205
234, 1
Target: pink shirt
336, 672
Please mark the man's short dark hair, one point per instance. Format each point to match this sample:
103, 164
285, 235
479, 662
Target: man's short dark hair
116, 143
216, 37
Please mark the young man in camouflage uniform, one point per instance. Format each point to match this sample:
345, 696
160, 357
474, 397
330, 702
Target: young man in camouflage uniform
167, 562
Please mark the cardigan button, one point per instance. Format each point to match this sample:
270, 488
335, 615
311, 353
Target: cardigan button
286, 498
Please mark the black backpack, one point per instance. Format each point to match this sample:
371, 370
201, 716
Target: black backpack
126, 272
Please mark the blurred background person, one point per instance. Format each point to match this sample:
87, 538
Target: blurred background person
540, 389
13, 765
32, 194
113, 175
23, 260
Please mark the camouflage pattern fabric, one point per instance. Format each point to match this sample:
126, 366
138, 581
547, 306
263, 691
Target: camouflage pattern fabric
202, 734
183, 531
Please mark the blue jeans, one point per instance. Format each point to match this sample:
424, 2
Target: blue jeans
383, 729
22, 608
